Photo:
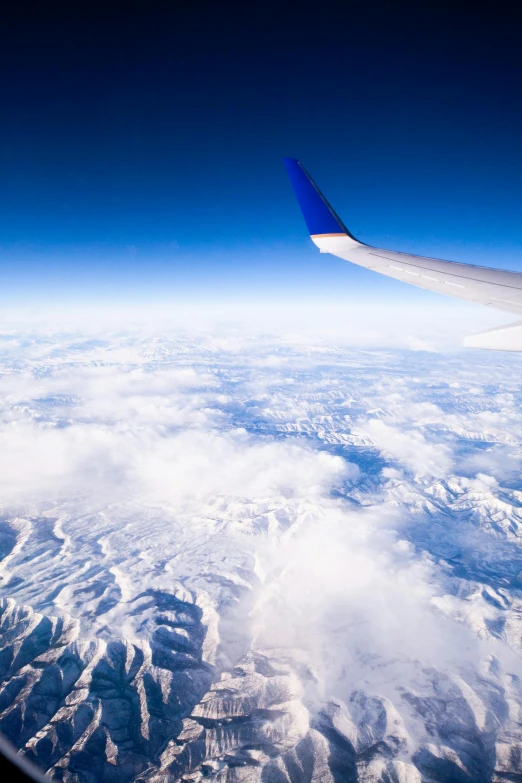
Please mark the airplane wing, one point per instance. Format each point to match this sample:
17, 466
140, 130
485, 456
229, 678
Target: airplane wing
495, 288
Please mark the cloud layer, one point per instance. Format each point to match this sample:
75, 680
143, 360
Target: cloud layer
359, 509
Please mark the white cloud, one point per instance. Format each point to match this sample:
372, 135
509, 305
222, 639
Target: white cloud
408, 447
504, 462
346, 589
44, 462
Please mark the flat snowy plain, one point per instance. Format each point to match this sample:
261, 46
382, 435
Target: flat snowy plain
251, 555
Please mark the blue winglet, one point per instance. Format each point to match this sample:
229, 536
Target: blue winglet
317, 212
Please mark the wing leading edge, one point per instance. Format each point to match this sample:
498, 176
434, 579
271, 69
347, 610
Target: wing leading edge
495, 288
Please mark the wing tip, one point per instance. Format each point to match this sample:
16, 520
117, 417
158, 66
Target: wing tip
320, 218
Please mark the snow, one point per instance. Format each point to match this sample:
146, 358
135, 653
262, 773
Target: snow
210, 570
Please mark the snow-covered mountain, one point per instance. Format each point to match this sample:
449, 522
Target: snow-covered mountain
238, 557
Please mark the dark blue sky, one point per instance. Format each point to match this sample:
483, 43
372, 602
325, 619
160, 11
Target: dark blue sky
141, 150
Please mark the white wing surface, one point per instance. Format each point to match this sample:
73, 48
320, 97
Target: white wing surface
493, 287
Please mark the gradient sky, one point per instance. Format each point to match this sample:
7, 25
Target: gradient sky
141, 151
